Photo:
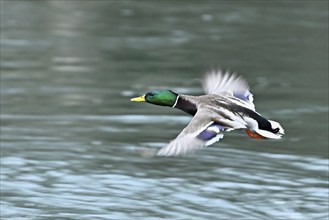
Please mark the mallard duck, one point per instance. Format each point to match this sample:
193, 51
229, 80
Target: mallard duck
228, 105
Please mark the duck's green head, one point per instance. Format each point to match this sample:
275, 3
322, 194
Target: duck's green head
158, 97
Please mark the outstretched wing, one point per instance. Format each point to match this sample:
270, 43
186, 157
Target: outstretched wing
202, 131
220, 83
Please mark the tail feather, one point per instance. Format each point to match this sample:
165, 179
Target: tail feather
272, 135
268, 134
276, 125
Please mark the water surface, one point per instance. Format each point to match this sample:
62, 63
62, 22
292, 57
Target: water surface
71, 140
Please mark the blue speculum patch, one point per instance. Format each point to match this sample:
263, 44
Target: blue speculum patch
242, 96
208, 134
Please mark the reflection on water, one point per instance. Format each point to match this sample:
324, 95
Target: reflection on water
71, 141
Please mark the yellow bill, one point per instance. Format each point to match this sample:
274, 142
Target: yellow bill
138, 99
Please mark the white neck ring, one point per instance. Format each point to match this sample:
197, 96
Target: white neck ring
175, 102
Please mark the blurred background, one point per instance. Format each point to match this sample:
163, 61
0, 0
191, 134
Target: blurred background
70, 137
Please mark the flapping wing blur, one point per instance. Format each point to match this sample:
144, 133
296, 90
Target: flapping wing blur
202, 131
218, 82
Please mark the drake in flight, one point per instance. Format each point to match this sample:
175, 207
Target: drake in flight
226, 106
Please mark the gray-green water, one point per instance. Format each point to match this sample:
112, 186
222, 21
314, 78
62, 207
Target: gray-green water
70, 138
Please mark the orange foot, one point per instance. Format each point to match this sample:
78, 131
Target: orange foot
254, 135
